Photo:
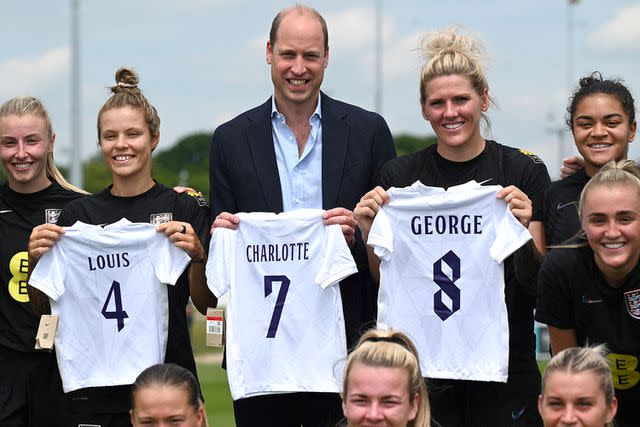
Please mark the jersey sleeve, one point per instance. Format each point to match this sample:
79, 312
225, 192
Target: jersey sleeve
554, 306
167, 259
49, 273
218, 264
381, 236
510, 234
337, 262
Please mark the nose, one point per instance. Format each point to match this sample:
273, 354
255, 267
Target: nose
121, 141
599, 130
450, 110
298, 66
612, 230
374, 412
569, 415
22, 152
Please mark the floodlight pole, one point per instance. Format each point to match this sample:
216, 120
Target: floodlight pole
76, 128
378, 53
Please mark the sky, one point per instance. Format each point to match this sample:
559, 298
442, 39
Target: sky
202, 62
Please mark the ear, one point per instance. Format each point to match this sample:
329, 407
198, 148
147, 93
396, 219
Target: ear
414, 407
53, 141
155, 139
540, 404
632, 131
131, 417
326, 57
344, 406
424, 112
269, 51
612, 410
201, 416
485, 99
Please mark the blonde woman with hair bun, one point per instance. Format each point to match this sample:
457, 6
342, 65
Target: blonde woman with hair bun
128, 132
382, 383
454, 98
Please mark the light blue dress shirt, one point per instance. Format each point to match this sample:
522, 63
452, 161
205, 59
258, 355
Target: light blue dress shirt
300, 177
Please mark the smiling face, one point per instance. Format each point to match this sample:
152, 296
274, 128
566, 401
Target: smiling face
378, 396
574, 399
611, 220
158, 406
298, 59
454, 109
127, 143
601, 130
25, 143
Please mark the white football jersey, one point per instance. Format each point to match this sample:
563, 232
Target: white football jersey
285, 326
107, 286
442, 277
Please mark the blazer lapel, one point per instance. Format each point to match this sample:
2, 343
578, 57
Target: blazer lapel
260, 140
335, 137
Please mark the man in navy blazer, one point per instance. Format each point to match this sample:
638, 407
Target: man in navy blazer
301, 149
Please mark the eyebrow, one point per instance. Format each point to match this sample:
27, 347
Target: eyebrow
608, 116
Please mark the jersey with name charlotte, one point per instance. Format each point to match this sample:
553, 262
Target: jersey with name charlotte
442, 278
107, 286
285, 330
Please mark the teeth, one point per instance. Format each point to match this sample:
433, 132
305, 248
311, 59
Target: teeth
600, 145
21, 165
453, 125
122, 158
297, 82
613, 245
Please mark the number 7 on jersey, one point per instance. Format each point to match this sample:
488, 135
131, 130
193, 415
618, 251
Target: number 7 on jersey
282, 296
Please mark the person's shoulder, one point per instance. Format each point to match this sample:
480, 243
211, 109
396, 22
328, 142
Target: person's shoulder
518, 154
401, 171
252, 115
341, 108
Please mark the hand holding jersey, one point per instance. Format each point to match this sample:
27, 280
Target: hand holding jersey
273, 338
105, 284
442, 253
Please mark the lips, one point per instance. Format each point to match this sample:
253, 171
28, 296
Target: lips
21, 166
600, 145
614, 245
452, 126
122, 157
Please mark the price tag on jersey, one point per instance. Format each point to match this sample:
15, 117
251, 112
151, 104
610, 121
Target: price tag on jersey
215, 327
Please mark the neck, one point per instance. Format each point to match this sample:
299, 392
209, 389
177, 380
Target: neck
128, 187
462, 153
297, 113
31, 186
615, 276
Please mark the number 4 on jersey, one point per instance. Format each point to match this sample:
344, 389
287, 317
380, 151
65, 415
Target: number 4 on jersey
119, 314
282, 296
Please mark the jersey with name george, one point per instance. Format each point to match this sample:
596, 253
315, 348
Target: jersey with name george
108, 287
285, 327
442, 277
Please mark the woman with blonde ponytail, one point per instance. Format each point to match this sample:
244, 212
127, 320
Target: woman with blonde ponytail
454, 99
382, 383
590, 287
35, 193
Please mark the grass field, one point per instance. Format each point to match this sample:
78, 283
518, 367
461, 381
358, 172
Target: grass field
213, 379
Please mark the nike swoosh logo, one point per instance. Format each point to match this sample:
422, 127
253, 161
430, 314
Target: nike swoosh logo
564, 205
517, 413
586, 300
6, 211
